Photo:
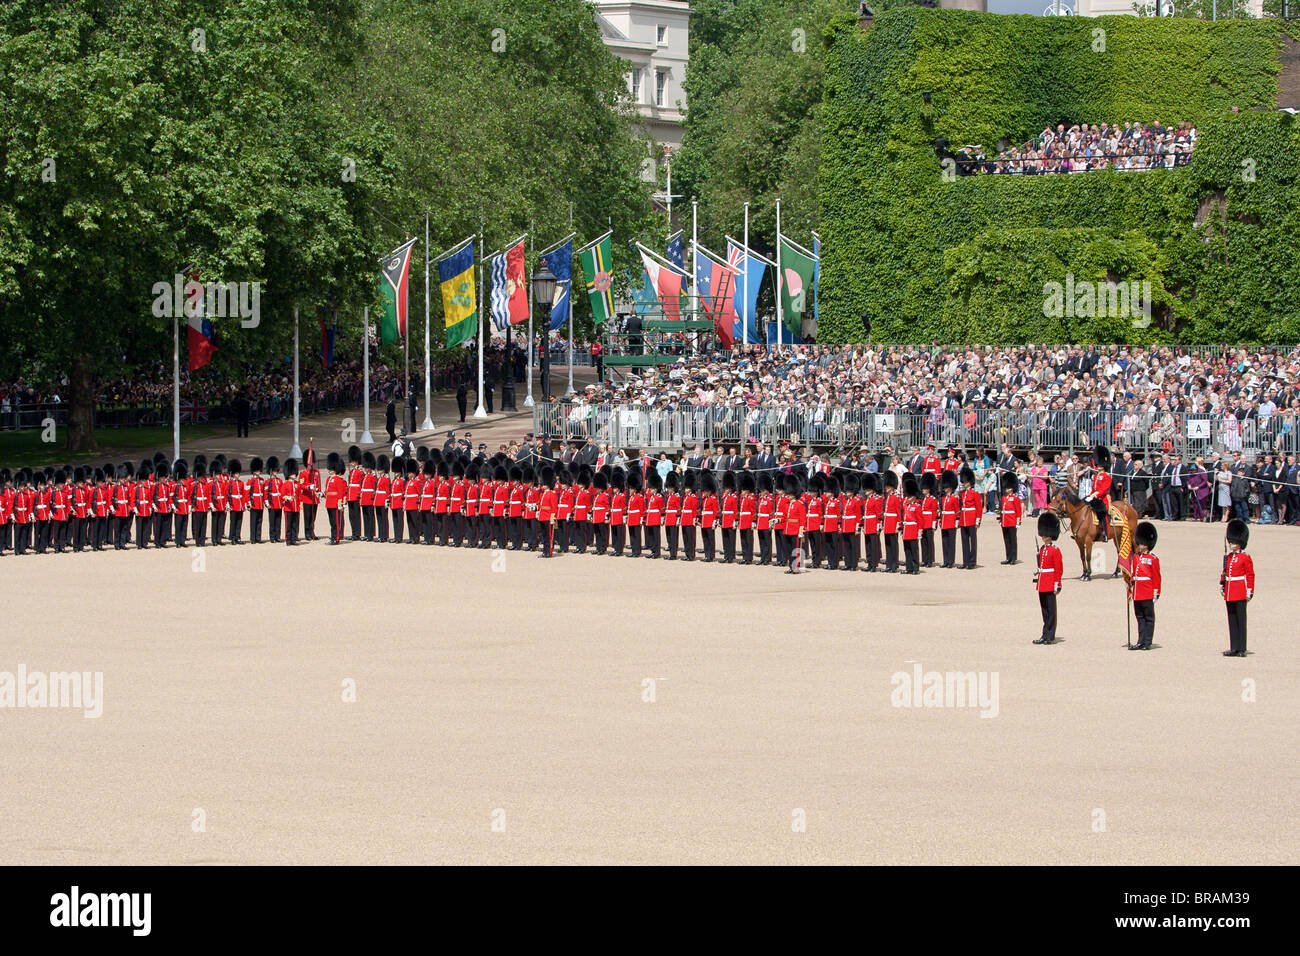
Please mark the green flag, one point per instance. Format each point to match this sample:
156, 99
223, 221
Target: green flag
797, 268
597, 268
393, 283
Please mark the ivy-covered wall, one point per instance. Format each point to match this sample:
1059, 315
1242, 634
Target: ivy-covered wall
969, 259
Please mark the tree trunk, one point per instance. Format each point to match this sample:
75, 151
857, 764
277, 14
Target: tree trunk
81, 414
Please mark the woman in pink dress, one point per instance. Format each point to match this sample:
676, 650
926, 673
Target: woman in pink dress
1038, 475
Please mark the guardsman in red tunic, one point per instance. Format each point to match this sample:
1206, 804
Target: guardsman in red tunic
1011, 513
635, 511
812, 519
411, 503
6, 511
851, 519
1047, 577
82, 506
672, 512
582, 498
163, 492
235, 492
123, 499
103, 505
181, 491
309, 488
220, 499
428, 500
396, 497
40, 513
951, 462
729, 505
201, 501
548, 508
565, 495
532, 496
654, 511
929, 515
710, 510
515, 515
873, 516
617, 512
911, 524
383, 488
23, 503
143, 504
600, 511
931, 466
501, 506
441, 503
1099, 497
780, 507
355, 476
1238, 585
367, 497
831, 521
892, 521
336, 495
1145, 586
456, 504
290, 502
949, 517
972, 513
792, 527
274, 498
689, 514
765, 516
255, 495
748, 513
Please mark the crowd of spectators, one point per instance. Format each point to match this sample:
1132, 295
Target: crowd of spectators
1084, 147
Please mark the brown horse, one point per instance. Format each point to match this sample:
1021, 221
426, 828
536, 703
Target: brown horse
1078, 516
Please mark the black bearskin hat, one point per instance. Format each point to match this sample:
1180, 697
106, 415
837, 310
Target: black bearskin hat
747, 482
600, 481
891, 481
1238, 532
548, 477
273, 464
1008, 483
291, 468
500, 474
671, 481
145, 471
871, 482
430, 469
728, 481
179, 470
1101, 457
368, 460
200, 470
634, 481
334, 463
967, 476
688, 481
256, 465
354, 454
929, 483
1049, 526
911, 488
1146, 535
383, 464
234, 466
948, 480
653, 481
790, 484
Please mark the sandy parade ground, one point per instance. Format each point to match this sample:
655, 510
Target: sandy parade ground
378, 703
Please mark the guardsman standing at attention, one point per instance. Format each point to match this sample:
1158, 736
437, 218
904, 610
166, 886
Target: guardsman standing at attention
672, 513
582, 499
730, 505
949, 517
654, 512
143, 505
893, 518
200, 501
274, 497
1146, 584
709, 513
411, 499
689, 515
355, 477
256, 498
851, 519
793, 526
220, 499
309, 488
162, 501
182, 488
547, 507
1047, 579
40, 514
1238, 585
812, 517
290, 502
635, 512
383, 488
748, 503
103, 503
972, 511
564, 501
336, 494
397, 497
367, 498
929, 515
1011, 512
873, 513
765, 515
617, 510
236, 492
781, 508
831, 521
6, 511
600, 511
911, 524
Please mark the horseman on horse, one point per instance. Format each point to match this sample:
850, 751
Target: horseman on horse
1099, 499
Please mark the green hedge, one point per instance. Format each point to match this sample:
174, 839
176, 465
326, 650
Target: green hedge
925, 258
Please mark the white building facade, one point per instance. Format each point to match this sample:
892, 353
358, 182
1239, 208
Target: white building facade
653, 37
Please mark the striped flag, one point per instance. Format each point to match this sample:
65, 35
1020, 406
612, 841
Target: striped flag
667, 279
509, 295
716, 281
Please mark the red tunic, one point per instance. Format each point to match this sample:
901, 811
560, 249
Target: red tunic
1238, 578
1146, 577
1049, 569
1012, 510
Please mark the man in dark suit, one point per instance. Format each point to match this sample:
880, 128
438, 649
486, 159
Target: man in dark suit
696, 458
764, 460
462, 398
916, 462
390, 419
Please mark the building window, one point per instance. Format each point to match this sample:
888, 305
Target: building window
661, 85
636, 85
661, 31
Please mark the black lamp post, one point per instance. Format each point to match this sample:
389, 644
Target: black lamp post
544, 298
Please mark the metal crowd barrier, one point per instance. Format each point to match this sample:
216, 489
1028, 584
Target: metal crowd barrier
847, 429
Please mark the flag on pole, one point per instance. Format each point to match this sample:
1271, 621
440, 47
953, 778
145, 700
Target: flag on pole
509, 296
644, 297
456, 277
198, 327
675, 250
716, 282
798, 267
560, 261
597, 259
326, 336
667, 279
393, 283
751, 262
817, 270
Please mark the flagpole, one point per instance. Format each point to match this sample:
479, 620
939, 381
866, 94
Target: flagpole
528, 399
427, 424
744, 304
480, 412
780, 319
295, 451
695, 265
366, 437
176, 388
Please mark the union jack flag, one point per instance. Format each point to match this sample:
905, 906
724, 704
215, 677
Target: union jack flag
194, 413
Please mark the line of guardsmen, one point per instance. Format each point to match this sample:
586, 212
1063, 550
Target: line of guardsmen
86, 508
848, 520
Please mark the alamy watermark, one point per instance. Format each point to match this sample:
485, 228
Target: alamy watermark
947, 689
191, 299
1085, 299
71, 690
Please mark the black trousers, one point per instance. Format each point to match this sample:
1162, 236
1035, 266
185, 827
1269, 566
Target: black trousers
426, 524
1236, 625
162, 529
398, 521
255, 525
354, 519
199, 527
911, 556
516, 531
275, 525
634, 539
290, 528
747, 545
309, 519
580, 534
968, 547
142, 531
501, 522
672, 533
602, 538
236, 527
709, 540
179, 523
546, 537
688, 541
413, 526
218, 527
1047, 602
891, 552
618, 536
652, 540
782, 547
948, 540
765, 546
851, 550
334, 514
1145, 612
368, 521
813, 542
728, 545
873, 551
927, 548
381, 522
1009, 543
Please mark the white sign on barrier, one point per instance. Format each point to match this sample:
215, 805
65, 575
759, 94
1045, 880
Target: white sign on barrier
884, 423
1198, 429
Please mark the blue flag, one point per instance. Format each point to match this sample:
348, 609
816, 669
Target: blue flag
645, 298
675, 249
560, 262
747, 312
817, 270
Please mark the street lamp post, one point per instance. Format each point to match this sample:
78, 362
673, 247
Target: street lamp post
543, 297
